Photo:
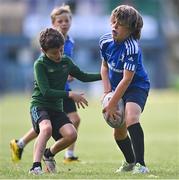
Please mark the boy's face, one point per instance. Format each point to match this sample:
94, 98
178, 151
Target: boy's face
119, 31
62, 23
54, 54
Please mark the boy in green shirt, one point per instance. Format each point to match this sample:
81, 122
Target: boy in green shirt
51, 71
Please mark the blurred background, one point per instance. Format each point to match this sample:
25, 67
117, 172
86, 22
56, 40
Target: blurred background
22, 20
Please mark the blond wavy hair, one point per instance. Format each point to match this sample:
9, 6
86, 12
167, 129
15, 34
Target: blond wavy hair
128, 16
60, 10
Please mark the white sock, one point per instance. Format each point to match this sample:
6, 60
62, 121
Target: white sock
21, 143
69, 153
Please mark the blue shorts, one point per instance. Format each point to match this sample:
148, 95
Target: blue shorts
136, 95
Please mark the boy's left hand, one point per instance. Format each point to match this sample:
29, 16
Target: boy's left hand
79, 99
111, 112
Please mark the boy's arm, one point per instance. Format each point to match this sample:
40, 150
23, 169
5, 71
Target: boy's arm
105, 78
82, 76
43, 84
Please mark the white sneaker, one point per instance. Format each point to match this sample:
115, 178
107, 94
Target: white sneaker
36, 171
50, 164
139, 169
125, 167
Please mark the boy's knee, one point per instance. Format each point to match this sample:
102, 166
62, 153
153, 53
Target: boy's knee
46, 130
132, 120
76, 123
75, 119
71, 136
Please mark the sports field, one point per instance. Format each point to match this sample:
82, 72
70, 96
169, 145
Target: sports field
99, 154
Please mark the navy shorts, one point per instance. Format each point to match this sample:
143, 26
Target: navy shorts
57, 119
69, 105
137, 95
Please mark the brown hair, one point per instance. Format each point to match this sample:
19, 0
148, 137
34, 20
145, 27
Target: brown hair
60, 10
129, 17
51, 38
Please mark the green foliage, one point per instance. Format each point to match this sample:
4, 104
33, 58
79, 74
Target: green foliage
95, 146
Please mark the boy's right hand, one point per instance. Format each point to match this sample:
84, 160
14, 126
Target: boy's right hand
79, 99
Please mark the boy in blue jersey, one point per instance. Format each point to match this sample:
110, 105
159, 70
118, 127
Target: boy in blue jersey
61, 18
123, 72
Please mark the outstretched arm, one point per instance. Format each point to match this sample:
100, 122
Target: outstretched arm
83, 76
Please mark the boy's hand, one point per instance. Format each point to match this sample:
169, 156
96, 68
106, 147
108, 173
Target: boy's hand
79, 99
104, 94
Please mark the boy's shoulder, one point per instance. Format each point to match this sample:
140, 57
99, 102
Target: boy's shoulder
105, 39
70, 39
131, 46
67, 60
40, 59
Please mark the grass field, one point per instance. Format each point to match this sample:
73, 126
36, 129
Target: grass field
96, 148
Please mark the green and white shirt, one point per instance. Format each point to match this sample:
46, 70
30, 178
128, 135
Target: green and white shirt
50, 78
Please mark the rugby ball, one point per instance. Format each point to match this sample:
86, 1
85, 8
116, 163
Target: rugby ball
114, 123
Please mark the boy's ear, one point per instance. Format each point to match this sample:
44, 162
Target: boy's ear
42, 50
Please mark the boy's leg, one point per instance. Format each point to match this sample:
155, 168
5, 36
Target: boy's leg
40, 143
71, 111
135, 103
69, 154
68, 136
124, 144
39, 146
18, 145
42, 126
29, 136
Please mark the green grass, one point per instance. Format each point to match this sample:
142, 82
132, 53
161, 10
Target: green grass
95, 145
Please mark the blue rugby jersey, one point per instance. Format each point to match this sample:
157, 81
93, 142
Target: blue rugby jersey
125, 55
68, 51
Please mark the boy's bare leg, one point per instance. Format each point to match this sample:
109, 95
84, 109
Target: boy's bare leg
69, 154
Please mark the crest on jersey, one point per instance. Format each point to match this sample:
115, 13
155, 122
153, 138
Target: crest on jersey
131, 58
51, 70
113, 64
121, 58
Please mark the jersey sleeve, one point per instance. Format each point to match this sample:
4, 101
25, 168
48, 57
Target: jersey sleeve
103, 44
76, 72
131, 55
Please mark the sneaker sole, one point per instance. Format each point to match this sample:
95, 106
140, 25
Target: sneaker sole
70, 161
